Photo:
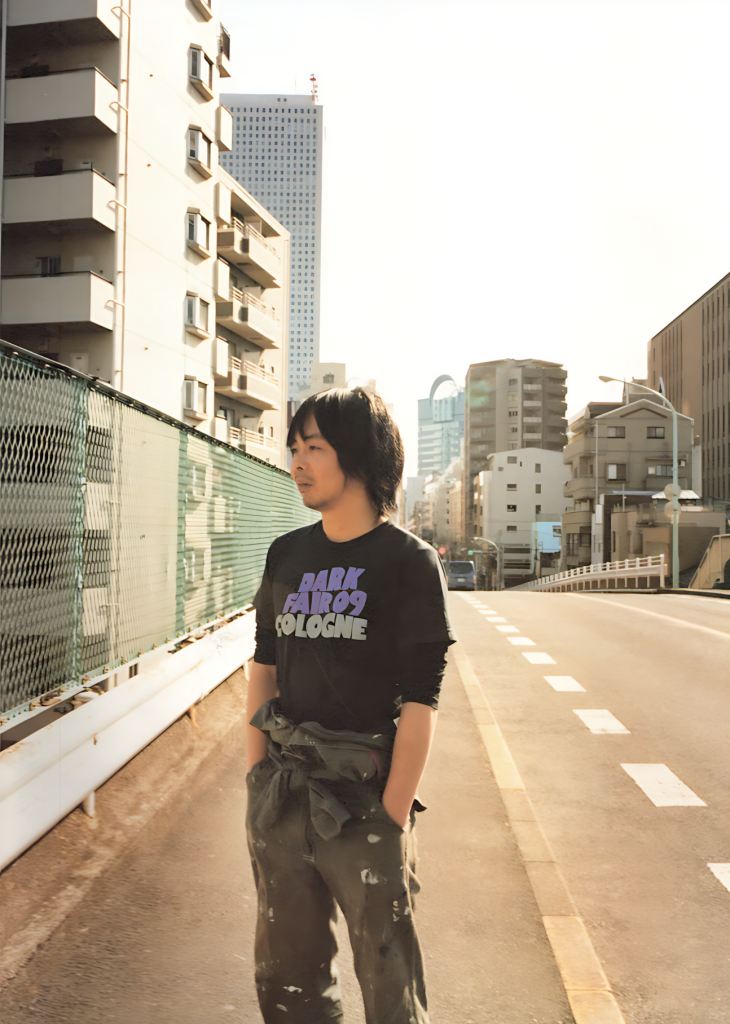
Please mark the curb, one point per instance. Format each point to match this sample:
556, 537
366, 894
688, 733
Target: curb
586, 985
45, 883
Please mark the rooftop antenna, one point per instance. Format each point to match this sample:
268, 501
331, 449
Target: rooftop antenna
313, 80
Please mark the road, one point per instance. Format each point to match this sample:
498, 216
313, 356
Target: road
165, 936
658, 916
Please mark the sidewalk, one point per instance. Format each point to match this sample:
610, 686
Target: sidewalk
165, 933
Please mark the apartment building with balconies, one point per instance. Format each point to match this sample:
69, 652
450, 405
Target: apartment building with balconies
619, 454
128, 252
510, 404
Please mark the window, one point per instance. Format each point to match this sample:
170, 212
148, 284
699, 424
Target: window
513, 412
501, 469
511, 529
538, 467
617, 432
204, 7
616, 471
514, 430
198, 233
656, 432
196, 315
660, 471
200, 70
538, 508
49, 265
513, 382
329, 378
195, 398
511, 460
199, 152
511, 487
538, 488
511, 508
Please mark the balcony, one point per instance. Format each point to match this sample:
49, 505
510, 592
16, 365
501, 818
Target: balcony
94, 18
242, 245
66, 103
256, 444
75, 198
247, 316
249, 383
80, 300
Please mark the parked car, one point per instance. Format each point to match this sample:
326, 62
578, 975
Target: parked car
460, 575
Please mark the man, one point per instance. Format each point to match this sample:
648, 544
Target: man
351, 638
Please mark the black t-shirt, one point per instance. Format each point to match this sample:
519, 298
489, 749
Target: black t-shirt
345, 623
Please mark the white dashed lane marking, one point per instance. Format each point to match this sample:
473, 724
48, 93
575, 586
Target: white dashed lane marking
521, 641
507, 629
662, 786
600, 721
721, 873
538, 658
563, 683
495, 618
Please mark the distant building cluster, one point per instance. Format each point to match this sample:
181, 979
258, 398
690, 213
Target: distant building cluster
529, 495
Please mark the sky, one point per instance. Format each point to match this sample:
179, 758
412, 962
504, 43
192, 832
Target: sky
505, 178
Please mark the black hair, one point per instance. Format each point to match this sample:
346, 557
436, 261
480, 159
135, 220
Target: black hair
364, 435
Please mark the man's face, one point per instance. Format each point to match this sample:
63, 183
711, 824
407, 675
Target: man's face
315, 468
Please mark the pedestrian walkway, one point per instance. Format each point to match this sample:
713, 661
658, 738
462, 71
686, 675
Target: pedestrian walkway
166, 936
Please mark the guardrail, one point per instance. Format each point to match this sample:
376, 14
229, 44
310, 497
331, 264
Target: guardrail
629, 574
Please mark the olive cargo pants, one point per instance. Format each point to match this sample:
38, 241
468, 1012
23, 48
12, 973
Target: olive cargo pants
368, 869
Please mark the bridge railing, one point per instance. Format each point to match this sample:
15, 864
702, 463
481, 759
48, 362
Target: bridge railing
628, 574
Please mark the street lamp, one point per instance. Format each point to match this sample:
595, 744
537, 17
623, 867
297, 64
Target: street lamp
675, 473
486, 540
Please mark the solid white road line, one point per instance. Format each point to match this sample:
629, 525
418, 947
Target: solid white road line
507, 629
539, 658
721, 873
656, 615
563, 683
600, 721
521, 641
662, 786
496, 618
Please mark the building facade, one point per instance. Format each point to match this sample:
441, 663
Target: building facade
519, 504
440, 427
691, 356
618, 454
127, 251
276, 155
510, 404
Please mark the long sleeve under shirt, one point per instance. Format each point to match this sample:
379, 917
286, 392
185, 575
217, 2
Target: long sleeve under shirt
355, 629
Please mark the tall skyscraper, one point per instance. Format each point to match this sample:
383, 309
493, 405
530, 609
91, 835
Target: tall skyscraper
277, 156
440, 428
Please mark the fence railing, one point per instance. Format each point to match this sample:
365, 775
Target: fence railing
246, 299
248, 231
628, 574
120, 527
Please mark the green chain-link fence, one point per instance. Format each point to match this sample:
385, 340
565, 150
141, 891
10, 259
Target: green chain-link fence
120, 528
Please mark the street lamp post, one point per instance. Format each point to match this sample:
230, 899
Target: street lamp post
675, 475
485, 540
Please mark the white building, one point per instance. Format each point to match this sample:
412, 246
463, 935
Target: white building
127, 252
324, 376
518, 490
276, 155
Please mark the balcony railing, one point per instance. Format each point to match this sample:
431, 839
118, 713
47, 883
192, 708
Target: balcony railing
246, 299
248, 231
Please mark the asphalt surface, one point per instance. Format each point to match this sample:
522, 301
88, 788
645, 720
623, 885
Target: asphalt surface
165, 935
658, 916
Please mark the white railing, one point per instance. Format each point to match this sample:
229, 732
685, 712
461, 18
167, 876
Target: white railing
253, 438
243, 366
250, 232
246, 299
590, 577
